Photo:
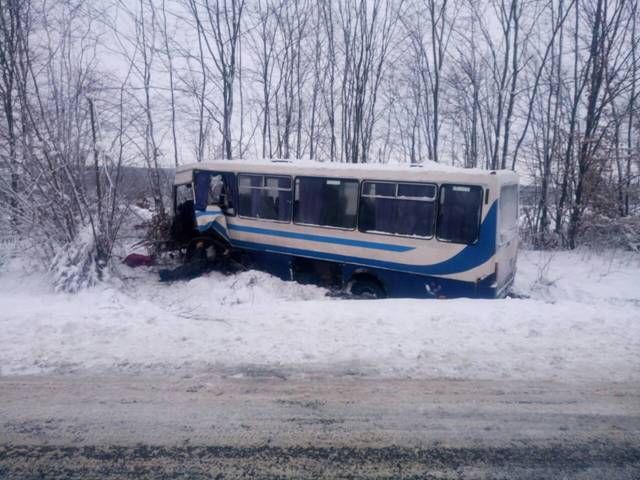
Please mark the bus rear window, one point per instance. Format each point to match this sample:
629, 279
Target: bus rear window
459, 213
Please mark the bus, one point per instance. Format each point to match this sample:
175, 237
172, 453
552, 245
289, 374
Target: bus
372, 230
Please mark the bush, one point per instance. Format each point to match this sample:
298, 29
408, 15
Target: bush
599, 231
76, 265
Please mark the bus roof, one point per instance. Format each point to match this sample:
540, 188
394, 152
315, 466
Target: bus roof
425, 172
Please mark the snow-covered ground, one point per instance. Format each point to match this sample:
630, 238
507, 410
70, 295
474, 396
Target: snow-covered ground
580, 322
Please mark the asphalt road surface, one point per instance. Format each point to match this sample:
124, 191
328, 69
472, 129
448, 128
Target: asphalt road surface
262, 423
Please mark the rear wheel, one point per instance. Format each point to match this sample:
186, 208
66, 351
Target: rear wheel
367, 287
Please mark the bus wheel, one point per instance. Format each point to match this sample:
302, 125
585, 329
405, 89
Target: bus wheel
366, 287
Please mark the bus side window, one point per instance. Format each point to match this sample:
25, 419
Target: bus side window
459, 213
397, 208
330, 202
265, 197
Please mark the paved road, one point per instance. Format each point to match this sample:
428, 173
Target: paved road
253, 423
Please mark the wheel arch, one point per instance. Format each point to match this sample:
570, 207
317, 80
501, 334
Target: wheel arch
366, 275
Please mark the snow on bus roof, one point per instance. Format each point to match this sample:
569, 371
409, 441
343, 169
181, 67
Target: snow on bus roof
427, 164
393, 168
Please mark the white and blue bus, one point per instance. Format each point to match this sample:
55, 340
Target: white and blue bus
375, 230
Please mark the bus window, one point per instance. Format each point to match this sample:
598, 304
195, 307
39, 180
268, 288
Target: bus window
508, 212
265, 197
397, 208
213, 188
330, 202
459, 213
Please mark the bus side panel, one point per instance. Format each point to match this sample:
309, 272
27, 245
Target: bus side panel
477, 282
506, 260
411, 256
406, 285
396, 284
276, 264
506, 239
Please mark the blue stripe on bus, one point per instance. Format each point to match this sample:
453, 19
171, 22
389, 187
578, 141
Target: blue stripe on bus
322, 238
470, 257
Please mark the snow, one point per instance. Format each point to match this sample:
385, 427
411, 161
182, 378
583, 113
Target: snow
429, 164
394, 165
575, 318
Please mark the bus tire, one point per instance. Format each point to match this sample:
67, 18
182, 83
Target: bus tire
366, 287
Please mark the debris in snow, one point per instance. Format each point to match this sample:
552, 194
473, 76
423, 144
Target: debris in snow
134, 260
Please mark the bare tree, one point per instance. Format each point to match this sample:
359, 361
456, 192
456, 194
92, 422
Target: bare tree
68, 187
430, 51
218, 26
14, 34
168, 50
601, 69
367, 31
330, 90
146, 43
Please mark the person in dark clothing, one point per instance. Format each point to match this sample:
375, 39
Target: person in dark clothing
200, 259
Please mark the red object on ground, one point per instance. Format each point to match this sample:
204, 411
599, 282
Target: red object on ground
138, 260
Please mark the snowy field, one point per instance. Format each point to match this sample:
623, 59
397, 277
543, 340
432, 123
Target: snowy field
576, 318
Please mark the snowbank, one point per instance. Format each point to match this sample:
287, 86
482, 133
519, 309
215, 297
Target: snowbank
581, 322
